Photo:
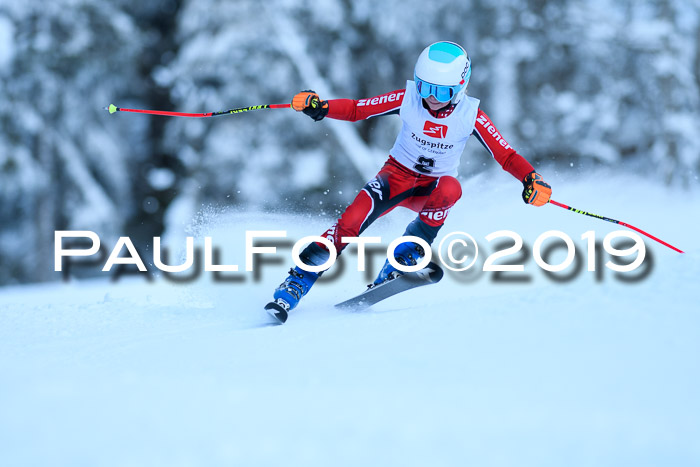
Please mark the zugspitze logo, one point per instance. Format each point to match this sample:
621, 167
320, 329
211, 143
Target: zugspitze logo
435, 130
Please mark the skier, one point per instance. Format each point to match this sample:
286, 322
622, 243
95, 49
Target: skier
437, 119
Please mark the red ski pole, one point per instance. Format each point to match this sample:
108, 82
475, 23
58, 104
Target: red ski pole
561, 205
113, 108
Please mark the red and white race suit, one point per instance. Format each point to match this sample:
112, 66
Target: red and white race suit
422, 165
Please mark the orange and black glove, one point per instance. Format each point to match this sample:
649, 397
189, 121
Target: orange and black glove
309, 103
535, 190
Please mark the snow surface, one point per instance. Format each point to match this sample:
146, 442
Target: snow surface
461, 373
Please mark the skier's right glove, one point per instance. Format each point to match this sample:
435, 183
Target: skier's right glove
309, 103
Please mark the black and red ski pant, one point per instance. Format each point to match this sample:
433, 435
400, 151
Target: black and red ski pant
396, 185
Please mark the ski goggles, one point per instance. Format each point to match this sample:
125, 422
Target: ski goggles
442, 93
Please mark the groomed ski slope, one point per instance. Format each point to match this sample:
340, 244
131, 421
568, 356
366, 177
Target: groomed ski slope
582, 373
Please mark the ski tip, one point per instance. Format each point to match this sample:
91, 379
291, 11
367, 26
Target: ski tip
277, 312
112, 108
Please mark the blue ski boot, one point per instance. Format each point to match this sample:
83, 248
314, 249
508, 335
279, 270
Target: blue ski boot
297, 284
288, 294
406, 254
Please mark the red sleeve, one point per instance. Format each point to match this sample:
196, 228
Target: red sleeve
352, 110
491, 138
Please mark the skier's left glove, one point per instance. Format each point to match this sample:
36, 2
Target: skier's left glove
535, 190
309, 103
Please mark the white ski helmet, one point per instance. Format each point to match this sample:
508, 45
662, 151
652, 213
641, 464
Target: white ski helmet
443, 70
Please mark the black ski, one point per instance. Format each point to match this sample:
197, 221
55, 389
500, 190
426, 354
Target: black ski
277, 311
430, 274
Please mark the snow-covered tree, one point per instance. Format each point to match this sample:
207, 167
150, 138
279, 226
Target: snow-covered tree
601, 82
64, 163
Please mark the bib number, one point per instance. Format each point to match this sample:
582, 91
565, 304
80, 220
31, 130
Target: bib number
425, 165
